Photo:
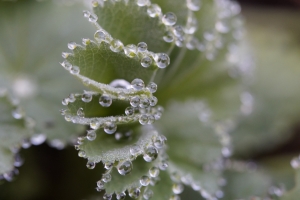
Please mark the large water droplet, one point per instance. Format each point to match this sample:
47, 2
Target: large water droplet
177, 188
138, 84
110, 127
154, 172
151, 154
146, 61
116, 45
162, 60
194, 5
142, 47
145, 180
91, 135
152, 87
130, 50
86, 97
154, 10
135, 101
106, 178
134, 193
90, 164
105, 100
120, 83
125, 167
169, 19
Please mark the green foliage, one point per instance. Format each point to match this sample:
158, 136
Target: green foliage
165, 86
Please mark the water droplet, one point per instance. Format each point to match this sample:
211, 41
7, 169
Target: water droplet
295, 163
74, 70
151, 154
153, 101
90, 164
108, 165
100, 184
121, 196
226, 151
72, 45
219, 194
91, 135
135, 150
95, 3
168, 37
129, 111
143, 119
93, 18
65, 102
152, 87
116, 45
134, 193
81, 153
142, 47
138, 84
178, 31
145, 180
105, 100
146, 61
159, 141
148, 194
151, 119
162, 60
86, 13
154, 10
38, 139
106, 178
18, 113
110, 127
194, 5
102, 35
86, 97
135, 101
107, 196
86, 41
125, 167
120, 83
26, 143
94, 124
174, 197
222, 27
66, 65
130, 50
144, 103
169, 19
80, 112
143, 2
177, 188
154, 172
18, 161
65, 54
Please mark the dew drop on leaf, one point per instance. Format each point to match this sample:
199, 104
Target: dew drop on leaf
194, 5
110, 127
154, 10
91, 135
74, 70
154, 172
105, 100
138, 84
169, 19
134, 193
150, 154
130, 50
146, 61
135, 150
143, 119
142, 47
129, 111
152, 87
116, 45
162, 60
145, 180
121, 196
125, 167
120, 83
86, 97
177, 188
148, 194
135, 101
107, 196
106, 178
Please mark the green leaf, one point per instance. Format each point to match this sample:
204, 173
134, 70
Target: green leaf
131, 24
15, 128
32, 33
295, 192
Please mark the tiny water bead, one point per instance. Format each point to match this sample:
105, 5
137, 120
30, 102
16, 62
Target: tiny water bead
152, 87
107, 196
105, 100
143, 2
116, 45
130, 50
178, 31
86, 41
177, 188
90, 164
148, 194
38, 139
80, 112
108, 165
86, 13
18, 113
154, 172
146, 61
66, 65
194, 5
65, 54
154, 10
142, 47
135, 101
143, 119
74, 70
135, 150
65, 101
151, 119
121, 196
125, 167
151, 154
153, 101
295, 163
159, 141
94, 124
144, 103
82, 154
134, 193
174, 197
102, 35
110, 127
138, 84
169, 19
91, 135
145, 180
100, 184
168, 37
106, 178
93, 18
86, 97
72, 45
162, 60
129, 111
